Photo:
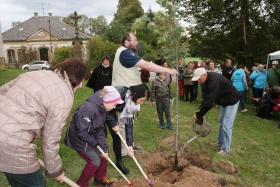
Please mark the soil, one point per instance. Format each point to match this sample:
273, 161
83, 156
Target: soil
192, 170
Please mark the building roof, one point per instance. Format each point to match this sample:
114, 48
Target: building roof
28, 28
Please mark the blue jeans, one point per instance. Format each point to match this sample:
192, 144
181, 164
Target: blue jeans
226, 120
35, 179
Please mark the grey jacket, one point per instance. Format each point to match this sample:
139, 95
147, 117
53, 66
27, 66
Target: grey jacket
36, 104
187, 76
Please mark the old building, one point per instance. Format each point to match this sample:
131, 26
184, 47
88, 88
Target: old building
37, 38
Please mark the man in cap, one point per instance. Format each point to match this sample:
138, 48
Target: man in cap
275, 73
218, 90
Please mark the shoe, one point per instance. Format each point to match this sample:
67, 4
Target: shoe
244, 110
136, 148
123, 169
217, 144
161, 126
223, 153
169, 126
103, 182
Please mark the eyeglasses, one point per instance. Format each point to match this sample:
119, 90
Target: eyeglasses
133, 40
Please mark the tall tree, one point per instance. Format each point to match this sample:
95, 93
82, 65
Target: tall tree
244, 30
128, 11
98, 26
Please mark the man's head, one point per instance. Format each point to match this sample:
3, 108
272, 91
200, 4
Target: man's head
200, 75
129, 40
274, 64
228, 62
211, 65
158, 57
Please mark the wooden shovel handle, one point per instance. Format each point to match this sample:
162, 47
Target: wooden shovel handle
133, 157
66, 180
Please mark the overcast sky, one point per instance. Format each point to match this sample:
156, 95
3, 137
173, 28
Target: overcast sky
21, 10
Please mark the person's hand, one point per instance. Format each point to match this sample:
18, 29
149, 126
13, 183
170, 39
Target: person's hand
247, 88
60, 178
116, 129
194, 117
278, 105
172, 71
130, 151
153, 103
105, 155
191, 75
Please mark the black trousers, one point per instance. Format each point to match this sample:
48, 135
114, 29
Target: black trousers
116, 139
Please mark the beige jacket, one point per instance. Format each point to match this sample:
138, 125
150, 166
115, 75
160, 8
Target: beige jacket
123, 76
36, 104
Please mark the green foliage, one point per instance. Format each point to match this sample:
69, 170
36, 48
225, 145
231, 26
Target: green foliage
115, 32
128, 11
62, 53
163, 31
98, 49
245, 31
146, 51
98, 26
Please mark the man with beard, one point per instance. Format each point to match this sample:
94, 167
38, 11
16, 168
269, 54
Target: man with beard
127, 67
127, 64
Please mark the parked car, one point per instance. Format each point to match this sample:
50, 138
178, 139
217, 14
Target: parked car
37, 65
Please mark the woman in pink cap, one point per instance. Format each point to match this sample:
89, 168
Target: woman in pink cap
86, 132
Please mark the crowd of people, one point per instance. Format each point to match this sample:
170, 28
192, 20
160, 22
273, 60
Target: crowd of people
37, 104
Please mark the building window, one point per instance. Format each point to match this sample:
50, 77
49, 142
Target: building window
21, 55
44, 54
11, 56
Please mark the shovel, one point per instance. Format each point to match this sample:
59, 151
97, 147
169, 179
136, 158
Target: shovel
148, 180
130, 183
66, 180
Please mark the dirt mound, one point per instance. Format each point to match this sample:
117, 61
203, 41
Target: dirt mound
191, 171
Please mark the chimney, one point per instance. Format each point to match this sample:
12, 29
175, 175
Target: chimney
50, 14
35, 14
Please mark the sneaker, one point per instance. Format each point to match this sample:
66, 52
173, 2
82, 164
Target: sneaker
103, 182
161, 126
169, 126
244, 110
136, 148
223, 153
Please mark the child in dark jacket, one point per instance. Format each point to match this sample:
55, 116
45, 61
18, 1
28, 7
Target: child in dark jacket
161, 93
86, 132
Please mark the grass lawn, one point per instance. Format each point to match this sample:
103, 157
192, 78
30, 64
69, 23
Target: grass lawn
255, 146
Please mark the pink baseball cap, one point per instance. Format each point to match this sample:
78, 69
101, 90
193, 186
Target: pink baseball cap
112, 96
